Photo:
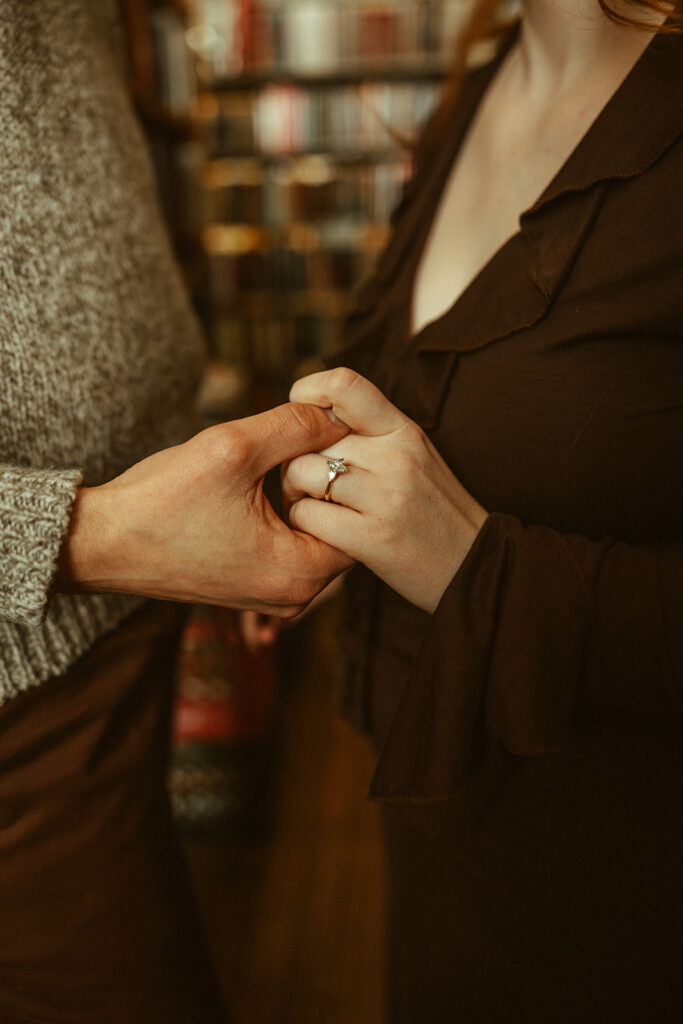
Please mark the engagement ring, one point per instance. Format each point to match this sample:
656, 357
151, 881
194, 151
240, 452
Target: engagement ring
336, 468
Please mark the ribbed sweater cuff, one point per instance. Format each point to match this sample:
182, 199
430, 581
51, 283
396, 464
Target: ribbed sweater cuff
35, 506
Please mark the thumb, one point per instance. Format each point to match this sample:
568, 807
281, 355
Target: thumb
287, 431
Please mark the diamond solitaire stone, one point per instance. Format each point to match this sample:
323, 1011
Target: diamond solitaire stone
337, 467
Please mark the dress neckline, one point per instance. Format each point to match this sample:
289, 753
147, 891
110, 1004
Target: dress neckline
443, 169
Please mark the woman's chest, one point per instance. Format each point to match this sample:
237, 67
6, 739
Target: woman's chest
477, 213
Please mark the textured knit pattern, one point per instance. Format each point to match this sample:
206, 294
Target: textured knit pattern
34, 508
99, 350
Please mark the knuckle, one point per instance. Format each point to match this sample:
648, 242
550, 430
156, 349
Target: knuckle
404, 463
342, 379
292, 478
227, 445
414, 431
294, 513
421, 442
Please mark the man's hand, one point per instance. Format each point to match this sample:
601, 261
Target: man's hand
191, 523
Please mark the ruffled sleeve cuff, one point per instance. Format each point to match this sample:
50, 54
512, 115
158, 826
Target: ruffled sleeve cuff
500, 664
35, 507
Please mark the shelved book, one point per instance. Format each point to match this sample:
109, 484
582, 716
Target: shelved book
312, 189
293, 151
231, 37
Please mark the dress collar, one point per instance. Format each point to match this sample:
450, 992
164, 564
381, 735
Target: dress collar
638, 124
635, 127
515, 289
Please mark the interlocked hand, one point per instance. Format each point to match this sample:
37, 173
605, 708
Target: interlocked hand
192, 523
399, 509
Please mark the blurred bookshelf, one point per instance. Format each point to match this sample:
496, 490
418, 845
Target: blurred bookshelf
279, 132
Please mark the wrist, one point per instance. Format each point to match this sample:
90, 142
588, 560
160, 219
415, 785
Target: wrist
87, 560
468, 530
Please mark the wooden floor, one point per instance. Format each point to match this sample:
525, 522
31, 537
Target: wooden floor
295, 918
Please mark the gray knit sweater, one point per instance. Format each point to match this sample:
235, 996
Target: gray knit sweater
99, 351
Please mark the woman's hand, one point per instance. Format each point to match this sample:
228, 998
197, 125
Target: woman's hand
399, 509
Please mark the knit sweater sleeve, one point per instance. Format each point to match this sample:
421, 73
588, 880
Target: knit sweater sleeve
35, 506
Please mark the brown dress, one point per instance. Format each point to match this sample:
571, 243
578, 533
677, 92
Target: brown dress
529, 732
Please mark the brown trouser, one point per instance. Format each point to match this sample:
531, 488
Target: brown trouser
97, 922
